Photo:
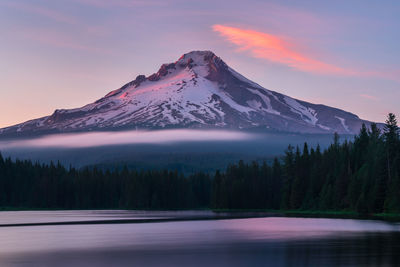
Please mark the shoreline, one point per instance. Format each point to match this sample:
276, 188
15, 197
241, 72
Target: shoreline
218, 214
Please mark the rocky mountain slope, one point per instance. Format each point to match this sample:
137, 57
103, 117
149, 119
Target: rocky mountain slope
198, 91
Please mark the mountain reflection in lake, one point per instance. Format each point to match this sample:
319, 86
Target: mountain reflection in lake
272, 241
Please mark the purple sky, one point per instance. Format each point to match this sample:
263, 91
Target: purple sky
65, 54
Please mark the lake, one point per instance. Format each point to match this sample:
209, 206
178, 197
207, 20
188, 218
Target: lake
192, 238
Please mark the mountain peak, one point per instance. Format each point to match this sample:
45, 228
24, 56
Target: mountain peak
199, 90
198, 57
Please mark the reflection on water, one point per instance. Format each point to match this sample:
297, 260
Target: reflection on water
21, 217
230, 242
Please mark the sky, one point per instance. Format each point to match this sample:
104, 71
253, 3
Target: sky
68, 53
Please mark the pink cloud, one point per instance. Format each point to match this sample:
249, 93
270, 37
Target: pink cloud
276, 49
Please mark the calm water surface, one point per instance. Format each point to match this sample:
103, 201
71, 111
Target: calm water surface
271, 241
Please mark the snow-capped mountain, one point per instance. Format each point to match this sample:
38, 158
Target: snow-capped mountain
197, 91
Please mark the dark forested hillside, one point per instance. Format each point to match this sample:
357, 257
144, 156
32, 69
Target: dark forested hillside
362, 175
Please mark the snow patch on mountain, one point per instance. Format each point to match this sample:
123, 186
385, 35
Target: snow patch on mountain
343, 122
308, 113
266, 100
324, 127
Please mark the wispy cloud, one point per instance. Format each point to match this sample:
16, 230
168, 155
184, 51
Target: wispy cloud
369, 97
54, 15
56, 39
276, 49
127, 137
120, 3
42, 11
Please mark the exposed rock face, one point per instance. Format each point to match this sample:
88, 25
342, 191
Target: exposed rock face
198, 91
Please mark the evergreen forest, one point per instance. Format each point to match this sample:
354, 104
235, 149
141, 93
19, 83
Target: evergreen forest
361, 175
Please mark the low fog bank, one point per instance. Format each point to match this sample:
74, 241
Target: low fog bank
95, 139
184, 150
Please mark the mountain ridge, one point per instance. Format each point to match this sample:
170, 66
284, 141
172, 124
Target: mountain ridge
199, 90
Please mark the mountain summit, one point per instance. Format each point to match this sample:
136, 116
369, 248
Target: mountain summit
199, 90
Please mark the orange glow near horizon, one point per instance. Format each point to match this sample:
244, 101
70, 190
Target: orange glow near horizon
275, 49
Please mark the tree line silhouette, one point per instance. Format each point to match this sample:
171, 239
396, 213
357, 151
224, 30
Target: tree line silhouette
361, 175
